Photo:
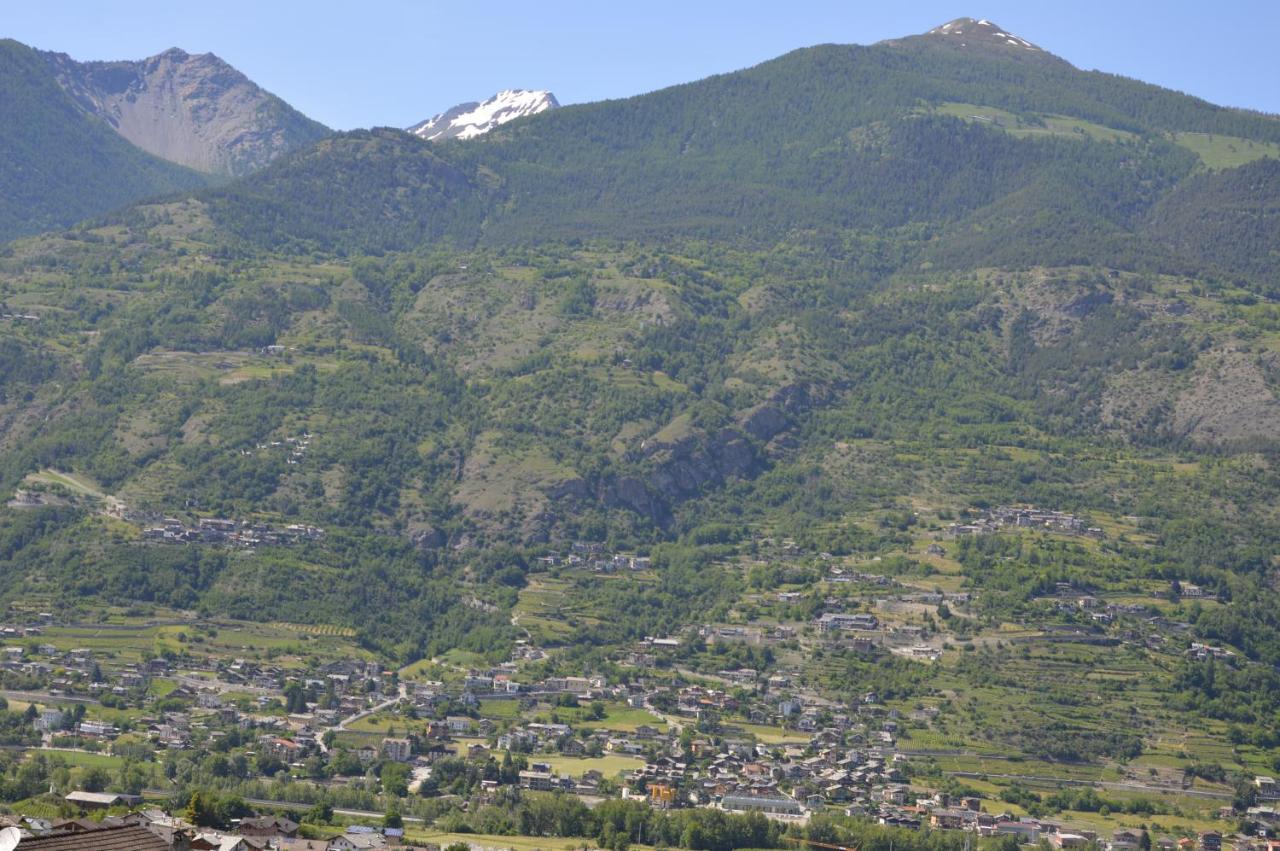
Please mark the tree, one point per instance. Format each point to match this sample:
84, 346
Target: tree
197, 812
320, 813
392, 818
270, 766
395, 779
95, 780
132, 777
295, 698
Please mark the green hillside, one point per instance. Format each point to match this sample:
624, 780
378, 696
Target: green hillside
59, 166
974, 145
799, 317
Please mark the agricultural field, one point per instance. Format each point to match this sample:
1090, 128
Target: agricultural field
1220, 152
130, 640
610, 765
617, 716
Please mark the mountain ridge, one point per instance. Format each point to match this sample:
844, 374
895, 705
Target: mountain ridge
696, 154
60, 165
192, 109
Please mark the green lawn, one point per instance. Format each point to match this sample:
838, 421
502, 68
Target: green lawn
79, 759
500, 708
610, 765
161, 687
380, 723
351, 740
1226, 151
618, 716
1040, 125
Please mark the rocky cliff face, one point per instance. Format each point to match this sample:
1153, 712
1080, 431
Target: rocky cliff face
671, 473
195, 110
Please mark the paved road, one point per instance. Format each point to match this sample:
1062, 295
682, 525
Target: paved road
364, 713
674, 724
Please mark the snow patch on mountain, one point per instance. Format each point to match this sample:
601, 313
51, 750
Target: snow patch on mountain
983, 30
469, 120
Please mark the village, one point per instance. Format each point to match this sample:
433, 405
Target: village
218, 530
661, 723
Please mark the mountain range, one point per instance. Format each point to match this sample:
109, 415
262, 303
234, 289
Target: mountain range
831, 298
193, 111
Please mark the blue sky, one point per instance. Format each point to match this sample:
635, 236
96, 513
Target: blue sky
394, 62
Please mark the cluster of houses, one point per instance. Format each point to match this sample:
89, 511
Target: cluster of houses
1025, 518
1204, 652
839, 765
350, 685
584, 554
848, 760
219, 530
843, 576
73, 671
296, 447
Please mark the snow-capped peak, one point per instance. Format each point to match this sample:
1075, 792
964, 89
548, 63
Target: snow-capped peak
469, 120
982, 31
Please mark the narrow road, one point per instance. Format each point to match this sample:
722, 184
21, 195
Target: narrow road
364, 713
675, 726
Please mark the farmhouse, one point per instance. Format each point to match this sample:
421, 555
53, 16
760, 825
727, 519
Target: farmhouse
102, 800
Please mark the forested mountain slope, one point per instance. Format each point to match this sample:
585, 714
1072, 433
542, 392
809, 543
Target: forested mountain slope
84, 138
842, 293
195, 110
847, 137
59, 165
